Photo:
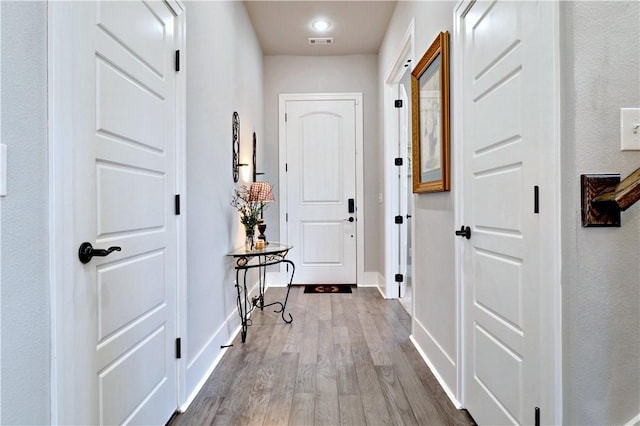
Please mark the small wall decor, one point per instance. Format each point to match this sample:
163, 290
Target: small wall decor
604, 196
255, 163
235, 133
430, 118
255, 173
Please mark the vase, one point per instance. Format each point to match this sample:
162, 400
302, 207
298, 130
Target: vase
249, 239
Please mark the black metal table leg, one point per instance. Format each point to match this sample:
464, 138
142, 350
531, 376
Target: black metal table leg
245, 306
242, 304
262, 271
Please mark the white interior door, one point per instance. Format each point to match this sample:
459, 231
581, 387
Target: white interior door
320, 181
505, 73
405, 182
124, 121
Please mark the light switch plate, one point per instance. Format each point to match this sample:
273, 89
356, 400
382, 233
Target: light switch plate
3, 170
630, 129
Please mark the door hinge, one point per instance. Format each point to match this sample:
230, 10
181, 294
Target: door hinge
177, 60
399, 291
399, 278
286, 217
286, 167
397, 161
398, 103
285, 117
536, 199
177, 204
178, 348
399, 220
537, 416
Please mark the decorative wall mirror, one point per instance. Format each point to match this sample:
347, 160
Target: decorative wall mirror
430, 118
235, 140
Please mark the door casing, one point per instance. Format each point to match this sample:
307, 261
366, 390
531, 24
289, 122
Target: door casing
392, 195
62, 253
282, 147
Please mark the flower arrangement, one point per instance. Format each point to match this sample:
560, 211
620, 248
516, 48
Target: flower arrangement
249, 210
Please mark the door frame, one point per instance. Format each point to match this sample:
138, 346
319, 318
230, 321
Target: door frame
405, 50
283, 98
550, 302
60, 196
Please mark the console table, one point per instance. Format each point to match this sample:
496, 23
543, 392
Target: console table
273, 254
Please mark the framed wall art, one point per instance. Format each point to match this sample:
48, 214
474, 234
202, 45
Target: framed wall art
430, 118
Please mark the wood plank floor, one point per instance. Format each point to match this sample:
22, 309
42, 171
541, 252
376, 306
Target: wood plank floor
345, 360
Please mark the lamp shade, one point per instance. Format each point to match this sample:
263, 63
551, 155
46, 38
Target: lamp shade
261, 191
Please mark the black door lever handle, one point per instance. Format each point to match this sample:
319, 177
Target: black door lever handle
464, 231
86, 252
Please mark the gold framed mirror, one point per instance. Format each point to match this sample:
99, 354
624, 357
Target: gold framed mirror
430, 118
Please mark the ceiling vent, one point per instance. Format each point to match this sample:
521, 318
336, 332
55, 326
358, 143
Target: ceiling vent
321, 40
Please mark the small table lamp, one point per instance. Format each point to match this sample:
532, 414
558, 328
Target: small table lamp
261, 192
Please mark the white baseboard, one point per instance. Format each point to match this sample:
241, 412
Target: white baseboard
384, 296
382, 286
374, 279
369, 279
634, 421
210, 348
182, 408
439, 378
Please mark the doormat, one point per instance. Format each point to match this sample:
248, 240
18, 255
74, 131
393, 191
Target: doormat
327, 288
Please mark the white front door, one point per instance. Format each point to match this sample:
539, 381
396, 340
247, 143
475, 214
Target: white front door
507, 73
124, 141
321, 190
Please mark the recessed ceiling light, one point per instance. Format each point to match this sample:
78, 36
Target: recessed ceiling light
320, 25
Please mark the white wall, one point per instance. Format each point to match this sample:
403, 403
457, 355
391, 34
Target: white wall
2, 183
308, 74
25, 349
600, 47
434, 320
224, 74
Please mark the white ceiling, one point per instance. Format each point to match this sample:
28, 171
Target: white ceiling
283, 27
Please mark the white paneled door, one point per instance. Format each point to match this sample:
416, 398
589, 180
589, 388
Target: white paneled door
506, 109
124, 141
321, 190
404, 183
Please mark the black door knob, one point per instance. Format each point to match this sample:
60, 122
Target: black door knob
351, 219
86, 252
464, 231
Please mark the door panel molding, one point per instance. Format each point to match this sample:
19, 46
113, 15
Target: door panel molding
282, 147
